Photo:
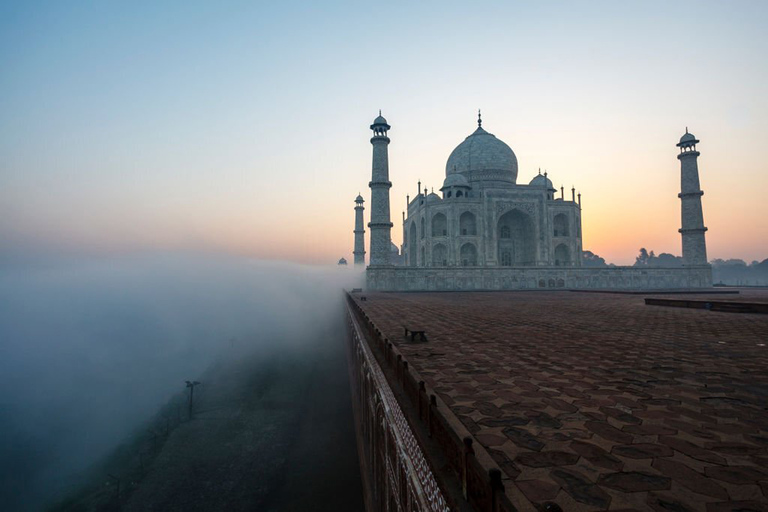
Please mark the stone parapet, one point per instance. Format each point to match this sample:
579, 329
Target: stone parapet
520, 278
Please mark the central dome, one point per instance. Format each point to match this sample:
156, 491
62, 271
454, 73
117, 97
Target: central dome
483, 157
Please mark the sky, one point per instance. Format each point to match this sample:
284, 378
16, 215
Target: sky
242, 127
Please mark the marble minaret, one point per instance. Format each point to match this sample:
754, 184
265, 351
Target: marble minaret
380, 225
692, 230
359, 251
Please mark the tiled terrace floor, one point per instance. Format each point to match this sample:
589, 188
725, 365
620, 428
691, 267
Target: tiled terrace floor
596, 401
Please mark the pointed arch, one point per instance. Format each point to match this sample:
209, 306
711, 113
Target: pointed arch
467, 224
516, 239
468, 255
439, 225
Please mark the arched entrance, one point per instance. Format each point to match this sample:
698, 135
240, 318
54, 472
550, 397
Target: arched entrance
468, 255
439, 255
516, 239
562, 255
412, 243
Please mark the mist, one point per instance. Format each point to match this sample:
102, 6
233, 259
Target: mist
91, 349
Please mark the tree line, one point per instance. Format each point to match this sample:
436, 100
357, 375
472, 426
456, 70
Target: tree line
727, 272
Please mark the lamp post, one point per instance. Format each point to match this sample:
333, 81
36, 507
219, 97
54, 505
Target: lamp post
191, 385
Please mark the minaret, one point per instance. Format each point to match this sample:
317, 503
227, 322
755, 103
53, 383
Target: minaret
692, 230
359, 251
380, 224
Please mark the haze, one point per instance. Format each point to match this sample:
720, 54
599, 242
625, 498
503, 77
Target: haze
90, 350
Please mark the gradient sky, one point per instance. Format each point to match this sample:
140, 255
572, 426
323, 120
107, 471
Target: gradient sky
242, 127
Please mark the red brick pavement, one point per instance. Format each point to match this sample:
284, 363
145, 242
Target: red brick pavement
597, 401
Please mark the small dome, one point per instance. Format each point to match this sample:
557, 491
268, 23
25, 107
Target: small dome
687, 140
380, 120
483, 155
342, 261
455, 180
433, 197
359, 199
539, 181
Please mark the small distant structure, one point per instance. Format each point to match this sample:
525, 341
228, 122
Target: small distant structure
343, 261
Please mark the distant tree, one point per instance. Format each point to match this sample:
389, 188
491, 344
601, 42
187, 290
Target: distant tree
642, 258
735, 271
665, 260
590, 259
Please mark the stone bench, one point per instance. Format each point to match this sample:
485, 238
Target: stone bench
415, 333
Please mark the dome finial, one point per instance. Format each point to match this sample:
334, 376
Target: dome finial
686, 129
479, 119
379, 111
539, 171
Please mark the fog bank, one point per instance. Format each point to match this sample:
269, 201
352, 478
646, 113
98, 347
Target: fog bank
90, 350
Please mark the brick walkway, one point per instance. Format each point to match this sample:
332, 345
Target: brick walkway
597, 401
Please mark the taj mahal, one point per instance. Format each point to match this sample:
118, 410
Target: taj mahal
486, 231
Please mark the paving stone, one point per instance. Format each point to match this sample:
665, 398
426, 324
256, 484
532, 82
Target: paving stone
649, 430
538, 490
737, 474
608, 432
690, 478
523, 438
737, 506
547, 459
667, 503
692, 450
490, 439
580, 488
597, 455
642, 451
505, 422
635, 481
504, 463
740, 449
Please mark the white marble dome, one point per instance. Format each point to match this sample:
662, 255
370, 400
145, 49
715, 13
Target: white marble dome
483, 156
539, 181
455, 180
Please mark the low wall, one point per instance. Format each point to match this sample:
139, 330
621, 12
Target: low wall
416, 456
520, 278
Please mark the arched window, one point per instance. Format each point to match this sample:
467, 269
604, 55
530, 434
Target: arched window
439, 255
506, 259
423, 257
504, 232
422, 228
468, 255
561, 224
439, 225
449, 194
459, 193
467, 224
